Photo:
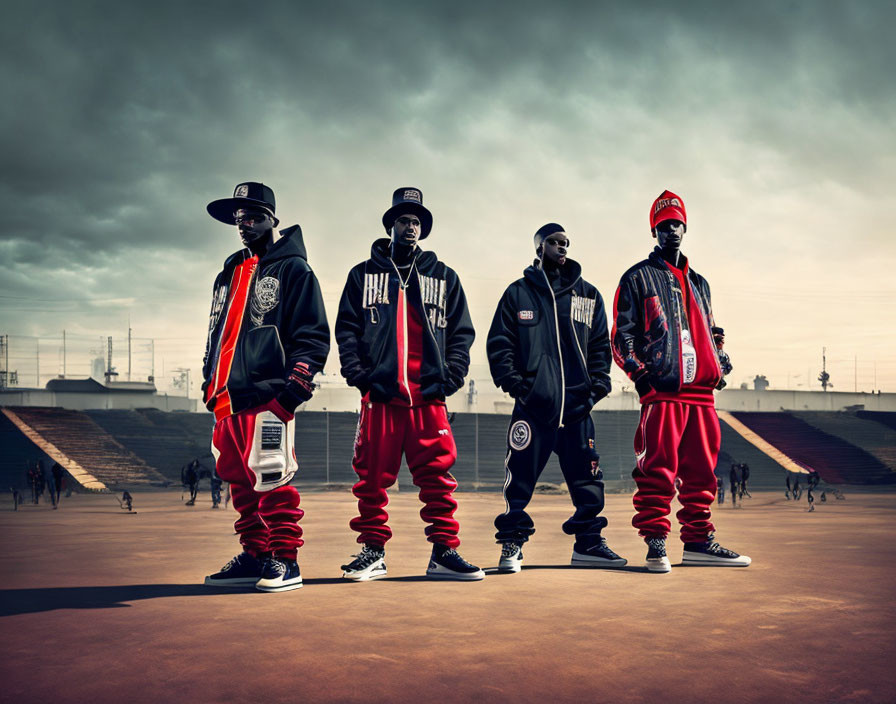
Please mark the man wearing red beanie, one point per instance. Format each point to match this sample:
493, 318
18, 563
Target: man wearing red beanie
664, 337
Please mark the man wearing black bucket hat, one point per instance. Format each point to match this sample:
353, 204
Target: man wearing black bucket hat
268, 336
549, 349
404, 335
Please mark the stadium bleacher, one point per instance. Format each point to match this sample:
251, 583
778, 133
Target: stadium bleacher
876, 439
77, 436
882, 417
17, 451
148, 447
836, 460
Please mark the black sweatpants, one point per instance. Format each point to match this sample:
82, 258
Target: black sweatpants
529, 446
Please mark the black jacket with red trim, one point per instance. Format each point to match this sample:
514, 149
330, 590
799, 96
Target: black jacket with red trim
549, 347
284, 325
366, 332
647, 322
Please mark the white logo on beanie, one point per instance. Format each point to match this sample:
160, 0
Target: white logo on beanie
666, 203
241, 191
412, 194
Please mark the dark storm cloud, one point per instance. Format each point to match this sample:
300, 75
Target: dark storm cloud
120, 120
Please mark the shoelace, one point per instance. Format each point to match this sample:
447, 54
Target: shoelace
509, 549
278, 565
716, 549
453, 555
606, 549
367, 557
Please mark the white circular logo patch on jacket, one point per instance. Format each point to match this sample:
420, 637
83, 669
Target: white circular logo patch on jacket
267, 293
520, 435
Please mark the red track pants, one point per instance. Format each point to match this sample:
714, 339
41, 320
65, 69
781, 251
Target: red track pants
269, 520
676, 440
423, 434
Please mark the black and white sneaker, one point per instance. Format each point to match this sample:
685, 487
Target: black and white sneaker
511, 557
368, 564
595, 553
445, 563
710, 554
657, 561
279, 575
242, 571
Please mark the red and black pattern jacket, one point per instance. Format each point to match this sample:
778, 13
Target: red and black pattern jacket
284, 337
647, 325
366, 325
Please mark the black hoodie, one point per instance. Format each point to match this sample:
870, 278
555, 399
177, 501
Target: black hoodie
549, 347
366, 332
284, 324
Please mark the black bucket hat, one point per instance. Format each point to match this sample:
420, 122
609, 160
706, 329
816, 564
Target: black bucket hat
408, 200
246, 195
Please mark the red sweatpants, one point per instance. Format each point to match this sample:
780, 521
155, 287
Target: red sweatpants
269, 520
676, 440
423, 434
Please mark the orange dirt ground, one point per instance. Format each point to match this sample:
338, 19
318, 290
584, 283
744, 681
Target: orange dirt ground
102, 606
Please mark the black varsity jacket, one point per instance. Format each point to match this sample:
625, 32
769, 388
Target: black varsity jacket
550, 349
366, 332
284, 324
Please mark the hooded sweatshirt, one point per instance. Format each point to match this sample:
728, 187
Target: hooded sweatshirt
276, 320
548, 345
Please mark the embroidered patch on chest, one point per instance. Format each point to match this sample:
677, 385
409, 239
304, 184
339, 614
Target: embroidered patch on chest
527, 315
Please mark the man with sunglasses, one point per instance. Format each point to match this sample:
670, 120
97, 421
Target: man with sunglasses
548, 348
665, 338
268, 336
404, 335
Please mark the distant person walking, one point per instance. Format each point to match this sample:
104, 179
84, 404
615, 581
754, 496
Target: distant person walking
58, 478
190, 479
734, 483
720, 492
744, 477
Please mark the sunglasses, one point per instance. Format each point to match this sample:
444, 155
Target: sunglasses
248, 217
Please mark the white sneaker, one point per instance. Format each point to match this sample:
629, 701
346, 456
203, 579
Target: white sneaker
279, 575
657, 561
368, 564
446, 563
511, 557
711, 554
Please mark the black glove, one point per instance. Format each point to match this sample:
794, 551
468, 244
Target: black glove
299, 387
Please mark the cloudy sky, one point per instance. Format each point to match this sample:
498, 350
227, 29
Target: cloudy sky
775, 122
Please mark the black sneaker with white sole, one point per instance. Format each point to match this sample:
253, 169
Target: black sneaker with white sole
244, 570
511, 557
279, 574
657, 560
710, 554
595, 552
368, 564
446, 563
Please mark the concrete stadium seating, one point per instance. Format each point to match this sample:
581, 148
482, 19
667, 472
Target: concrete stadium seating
837, 461
146, 447
887, 419
76, 435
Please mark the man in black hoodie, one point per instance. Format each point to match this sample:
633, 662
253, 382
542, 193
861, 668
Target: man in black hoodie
268, 336
404, 336
548, 347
